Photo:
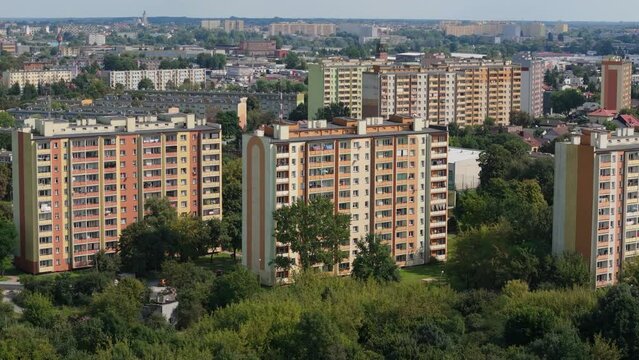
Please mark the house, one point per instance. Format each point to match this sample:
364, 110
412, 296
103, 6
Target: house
162, 301
626, 121
601, 116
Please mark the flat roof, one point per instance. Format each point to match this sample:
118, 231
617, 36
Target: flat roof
461, 154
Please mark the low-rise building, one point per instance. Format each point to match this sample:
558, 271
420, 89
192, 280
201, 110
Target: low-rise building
463, 168
160, 78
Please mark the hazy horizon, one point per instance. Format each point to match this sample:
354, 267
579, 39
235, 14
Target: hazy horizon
517, 10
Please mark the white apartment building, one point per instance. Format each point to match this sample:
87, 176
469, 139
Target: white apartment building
131, 79
22, 77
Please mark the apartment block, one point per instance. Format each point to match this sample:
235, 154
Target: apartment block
616, 80
390, 176
23, 77
227, 25
130, 79
456, 28
337, 81
465, 92
77, 185
532, 84
596, 201
302, 28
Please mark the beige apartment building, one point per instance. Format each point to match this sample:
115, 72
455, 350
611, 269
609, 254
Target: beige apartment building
390, 176
616, 84
77, 185
22, 77
337, 81
463, 92
130, 79
596, 204
227, 25
302, 28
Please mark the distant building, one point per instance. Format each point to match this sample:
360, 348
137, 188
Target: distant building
490, 88
463, 168
301, 28
532, 84
6, 156
560, 28
616, 84
534, 30
258, 47
22, 77
227, 25
77, 185
9, 46
96, 39
131, 79
337, 81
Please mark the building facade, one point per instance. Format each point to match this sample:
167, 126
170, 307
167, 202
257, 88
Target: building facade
390, 176
596, 201
532, 84
463, 92
78, 185
258, 47
616, 84
130, 79
22, 77
301, 28
337, 81
227, 25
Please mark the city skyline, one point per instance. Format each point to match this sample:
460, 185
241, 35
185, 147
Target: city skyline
518, 10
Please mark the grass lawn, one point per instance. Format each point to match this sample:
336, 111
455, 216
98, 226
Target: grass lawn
415, 274
220, 261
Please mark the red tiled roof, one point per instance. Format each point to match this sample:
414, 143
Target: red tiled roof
630, 120
603, 113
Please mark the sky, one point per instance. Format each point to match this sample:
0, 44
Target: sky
547, 10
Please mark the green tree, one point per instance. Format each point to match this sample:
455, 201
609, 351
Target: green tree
299, 113
374, 261
233, 287
527, 324
332, 111
7, 120
566, 100
8, 242
229, 122
29, 92
616, 318
521, 118
494, 163
39, 311
191, 237
566, 271
313, 230
146, 84
14, 90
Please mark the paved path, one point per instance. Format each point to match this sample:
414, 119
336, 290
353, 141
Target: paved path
8, 296
11, 283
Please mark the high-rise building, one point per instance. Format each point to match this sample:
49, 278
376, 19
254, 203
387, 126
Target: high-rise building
130, 79
465, 92
302, 28
96, 39
22, 77
534, 30
596, 201
532, 84
77, 185
616, 83
337, 81
390, 176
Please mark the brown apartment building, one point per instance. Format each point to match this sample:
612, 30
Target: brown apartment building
77, 185
390, 175
616, 80
596, 204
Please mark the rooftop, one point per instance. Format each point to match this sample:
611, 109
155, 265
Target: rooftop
461, 154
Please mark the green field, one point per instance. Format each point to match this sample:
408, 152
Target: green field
415, 274
219, 261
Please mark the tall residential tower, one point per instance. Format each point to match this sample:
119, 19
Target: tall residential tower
390, 176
